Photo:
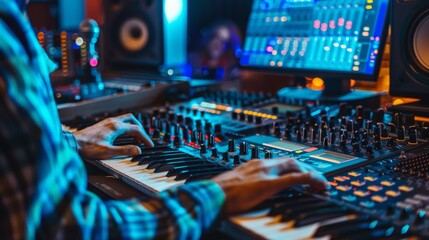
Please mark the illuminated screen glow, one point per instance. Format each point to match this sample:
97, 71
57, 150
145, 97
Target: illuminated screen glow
316, 35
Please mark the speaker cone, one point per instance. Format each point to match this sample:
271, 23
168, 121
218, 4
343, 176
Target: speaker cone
134, 35
421, 42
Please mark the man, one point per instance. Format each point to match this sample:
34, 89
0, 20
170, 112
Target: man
43, 180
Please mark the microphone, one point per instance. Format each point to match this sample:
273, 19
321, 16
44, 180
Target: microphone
90, 31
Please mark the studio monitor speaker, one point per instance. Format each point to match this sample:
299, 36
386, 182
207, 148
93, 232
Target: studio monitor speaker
144, 33
409, 54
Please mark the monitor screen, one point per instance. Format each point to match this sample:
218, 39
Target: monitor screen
333, 38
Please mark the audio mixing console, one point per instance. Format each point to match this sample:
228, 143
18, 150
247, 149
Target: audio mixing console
375, 161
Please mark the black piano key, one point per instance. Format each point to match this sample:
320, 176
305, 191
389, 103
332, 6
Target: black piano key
278, 198
305, 210
321, 215
329, 228
155, 163
121, 141
199, 174
160, 156
177, 169
384, 231
163, 167
290, 204
145, 159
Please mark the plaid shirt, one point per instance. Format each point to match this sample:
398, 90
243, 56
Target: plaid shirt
42, 179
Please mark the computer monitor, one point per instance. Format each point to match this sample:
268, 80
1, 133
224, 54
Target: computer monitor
336, 40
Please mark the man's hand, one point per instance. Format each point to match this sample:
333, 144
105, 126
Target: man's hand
96, 142
253, 182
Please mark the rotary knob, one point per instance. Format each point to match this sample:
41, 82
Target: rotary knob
203, 149
215, 153
231, 145
255, 153
243, 148
268, 155
237, 159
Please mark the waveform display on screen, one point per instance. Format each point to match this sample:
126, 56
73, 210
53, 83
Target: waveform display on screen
323, 35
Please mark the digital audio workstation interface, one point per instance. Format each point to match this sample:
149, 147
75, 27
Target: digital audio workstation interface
324, 35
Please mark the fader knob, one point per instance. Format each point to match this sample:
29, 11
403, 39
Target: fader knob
356, 147
200, 137
185, 133
298, 136
218, 128
243, 148
268, 155
377, 145
391, 142
234, 115
179, 118
343, 109
255, 153
242, 116
156, 134
369, 150
391, 128
401, 134
231, 145
359, 111
155, 112
275, 110
364, 142
288, 135
167, 137
424, 132
225, 157
177, 141
171, 116
410, 119
189, 121
211, 141
304, 134
325, 142
194, 136
343, 145
258, 120
378, 116
420, 218
412, 136
398, 118
249, 118
163, 114
198, 124
405, 213
203, 149
237, 159
214, 153
277, 131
